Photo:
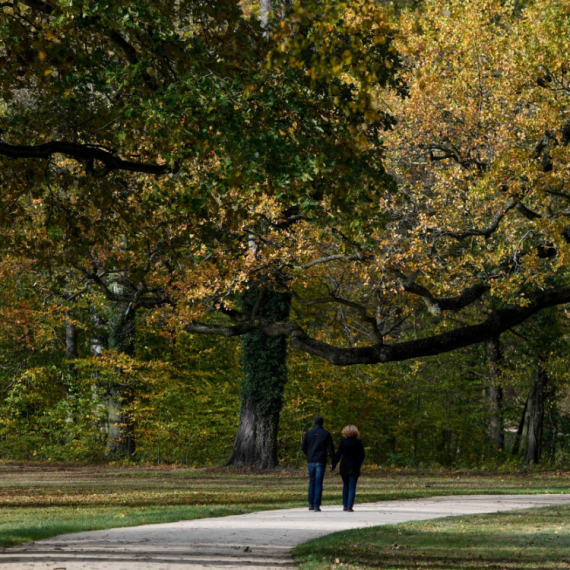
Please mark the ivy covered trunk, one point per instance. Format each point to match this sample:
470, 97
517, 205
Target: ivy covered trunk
264, 374
120, 428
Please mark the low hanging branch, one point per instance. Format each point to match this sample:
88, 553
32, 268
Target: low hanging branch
84, 152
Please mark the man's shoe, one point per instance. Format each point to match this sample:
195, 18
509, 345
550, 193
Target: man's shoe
311, 508
344, 508
317, 509
350, 510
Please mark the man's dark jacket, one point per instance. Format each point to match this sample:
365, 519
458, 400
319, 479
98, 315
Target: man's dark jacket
352, 452
316, 443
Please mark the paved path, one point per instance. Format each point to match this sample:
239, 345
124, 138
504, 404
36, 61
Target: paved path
259, 541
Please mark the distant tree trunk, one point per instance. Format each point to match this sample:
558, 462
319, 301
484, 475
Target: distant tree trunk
265, 10
70, 339
71, 354
535, 415
495, 394
520, 431
264, 369
120, 426
97, 341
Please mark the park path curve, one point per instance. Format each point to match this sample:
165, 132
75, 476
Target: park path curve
260, 541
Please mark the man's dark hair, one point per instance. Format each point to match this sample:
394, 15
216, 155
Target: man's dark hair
319, 420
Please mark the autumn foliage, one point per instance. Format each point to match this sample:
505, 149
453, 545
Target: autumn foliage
402, 175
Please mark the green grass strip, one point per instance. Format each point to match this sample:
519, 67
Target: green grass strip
530, 539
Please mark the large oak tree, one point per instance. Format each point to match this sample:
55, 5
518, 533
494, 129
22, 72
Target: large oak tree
148, 146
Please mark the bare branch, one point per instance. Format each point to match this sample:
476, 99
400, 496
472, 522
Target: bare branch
485, 232
73, 296
445, 151
564, 195
347, 303
527, 212
437, 305
328, 259
135, 299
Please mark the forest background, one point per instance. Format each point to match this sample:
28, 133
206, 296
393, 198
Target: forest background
300, 164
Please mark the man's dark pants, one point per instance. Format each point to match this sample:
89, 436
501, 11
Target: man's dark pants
316, 476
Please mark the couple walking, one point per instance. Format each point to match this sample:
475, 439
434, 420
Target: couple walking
317, 443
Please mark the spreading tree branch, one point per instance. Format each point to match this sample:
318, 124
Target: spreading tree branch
79, 151
496, 323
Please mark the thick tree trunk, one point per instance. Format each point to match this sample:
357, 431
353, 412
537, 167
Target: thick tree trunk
266, 441
244, 450
120, 426
535, 415
264, 364
495, 394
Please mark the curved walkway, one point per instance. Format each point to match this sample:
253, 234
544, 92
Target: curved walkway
259, 541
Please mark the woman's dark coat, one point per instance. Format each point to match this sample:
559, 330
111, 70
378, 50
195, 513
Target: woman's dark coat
352, 452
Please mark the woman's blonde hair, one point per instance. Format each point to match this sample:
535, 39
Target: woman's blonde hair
350, 431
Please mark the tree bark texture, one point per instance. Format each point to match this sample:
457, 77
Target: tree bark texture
495, 395
535, 413
264, 368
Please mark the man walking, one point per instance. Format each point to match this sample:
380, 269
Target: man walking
316, 443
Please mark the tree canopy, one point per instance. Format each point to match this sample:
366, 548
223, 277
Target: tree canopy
394, 176
362, 183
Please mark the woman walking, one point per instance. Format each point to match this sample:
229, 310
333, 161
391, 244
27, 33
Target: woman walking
352, 453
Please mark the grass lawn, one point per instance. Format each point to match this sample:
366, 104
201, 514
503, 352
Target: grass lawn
38, 501
534, 539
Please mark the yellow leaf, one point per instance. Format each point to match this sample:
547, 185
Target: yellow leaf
48, 72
